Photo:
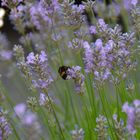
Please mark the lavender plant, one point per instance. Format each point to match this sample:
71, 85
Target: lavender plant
101, 127
77, 134
5, 129
65, 49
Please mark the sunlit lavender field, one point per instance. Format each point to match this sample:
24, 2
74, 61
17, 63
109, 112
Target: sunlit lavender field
70, 70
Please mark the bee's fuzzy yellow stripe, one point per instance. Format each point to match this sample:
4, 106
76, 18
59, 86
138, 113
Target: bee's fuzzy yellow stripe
62, 73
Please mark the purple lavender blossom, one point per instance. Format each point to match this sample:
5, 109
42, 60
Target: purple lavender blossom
74, 73
56, 37
42, 57
20, 109
10, 2
5, 129
101, 127
31, 58
73, 14
18, 18
45, 101
76, 43
29, 121
37, 15
42, 99
92, 30
133, 115
130, 111
77, 134
136, 103
41, 13
44, 83
98, 59
99, 43
88, 58
128, 4
111, 55
102, 24
79, 8
38, 65
22, 112
134, 2
113, 9
6, 55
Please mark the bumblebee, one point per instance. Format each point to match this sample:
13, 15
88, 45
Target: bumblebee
63, 71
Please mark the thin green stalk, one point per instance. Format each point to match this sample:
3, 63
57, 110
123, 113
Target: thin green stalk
105, 98
72, 104
88, 92
60, 56
119, 93
89, 121
55, 116
93, 96
118, 110
92, 15
11, 105
45, 121
2, 89
123, 90
109, 108
13, 128
103, 105
66, 105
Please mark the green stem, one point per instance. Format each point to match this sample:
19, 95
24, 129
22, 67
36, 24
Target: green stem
60, 129
103, 105
72, 105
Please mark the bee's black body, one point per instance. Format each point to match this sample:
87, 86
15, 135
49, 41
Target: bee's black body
63, 71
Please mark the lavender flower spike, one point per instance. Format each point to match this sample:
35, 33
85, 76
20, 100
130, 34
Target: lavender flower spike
74, 73
133, 115
38, 65
130, 111
45, 101
5, 129
77, 134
